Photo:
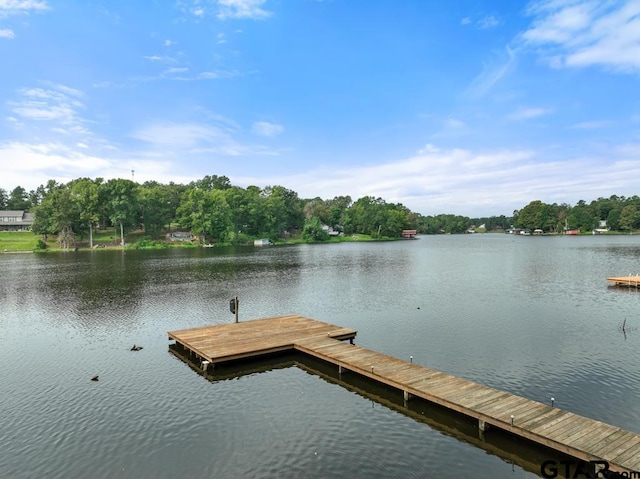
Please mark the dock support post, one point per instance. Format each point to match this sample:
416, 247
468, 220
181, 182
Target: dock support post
483, 426
406, 396
339, 369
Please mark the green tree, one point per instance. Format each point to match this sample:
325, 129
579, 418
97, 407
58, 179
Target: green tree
536, 215
58, 214
121, 197
156, 203
629, 218
313, 231
18, 199
212, 182
84, 193
581, 217
316, 208
205, 212
282, 210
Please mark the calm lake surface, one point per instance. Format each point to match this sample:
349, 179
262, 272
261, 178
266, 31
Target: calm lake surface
530, 315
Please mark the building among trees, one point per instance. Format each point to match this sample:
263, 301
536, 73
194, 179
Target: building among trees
15, 220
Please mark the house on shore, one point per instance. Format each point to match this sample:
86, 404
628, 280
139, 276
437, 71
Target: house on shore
409, 234
15, 220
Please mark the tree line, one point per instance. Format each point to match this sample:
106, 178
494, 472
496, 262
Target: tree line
215, 210
211, 208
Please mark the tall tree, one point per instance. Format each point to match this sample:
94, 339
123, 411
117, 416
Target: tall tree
156, 206
629, 218
205, 212
84, 192
18, 199
121, 203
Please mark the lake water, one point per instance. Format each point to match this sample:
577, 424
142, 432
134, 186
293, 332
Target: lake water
530, 315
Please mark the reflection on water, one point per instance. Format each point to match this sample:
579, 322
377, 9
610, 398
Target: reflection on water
532, 315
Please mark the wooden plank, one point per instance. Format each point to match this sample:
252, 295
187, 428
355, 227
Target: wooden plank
563, 429
589, 443
542, 419
572, 436
622, 438
620, 450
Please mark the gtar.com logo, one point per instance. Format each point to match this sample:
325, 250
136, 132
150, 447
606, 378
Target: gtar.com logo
574, 469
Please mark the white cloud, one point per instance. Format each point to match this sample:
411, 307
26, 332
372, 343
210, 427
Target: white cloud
180, 135
248, 9
34, 164
523, 113
214, 75
454, 123
465, 21
579, 33
472, 183
176, 70
492, 73
58, 103
168, 43
158, 58
16, 7
488, 21
264, 128
6, 33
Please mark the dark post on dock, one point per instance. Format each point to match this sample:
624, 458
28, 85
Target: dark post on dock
233, 306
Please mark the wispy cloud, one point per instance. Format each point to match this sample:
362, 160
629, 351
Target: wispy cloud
173, 70
488, 21
247, 9
17, 7
454, 123
492, 72
180, 135
225, 9
580, 33
158, 58
59, 103
6, 33
264, 128
524, 113
465, 21
214, 75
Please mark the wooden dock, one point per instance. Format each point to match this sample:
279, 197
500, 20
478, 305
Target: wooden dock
630, 281
577, 436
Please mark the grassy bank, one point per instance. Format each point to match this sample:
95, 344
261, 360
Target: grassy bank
19, 241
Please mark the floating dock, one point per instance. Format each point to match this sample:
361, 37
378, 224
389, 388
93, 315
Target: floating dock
563, 431
631, 281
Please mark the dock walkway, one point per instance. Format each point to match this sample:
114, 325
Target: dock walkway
625, 280
577, 436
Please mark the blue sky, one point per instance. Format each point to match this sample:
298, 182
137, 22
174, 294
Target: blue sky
467, 107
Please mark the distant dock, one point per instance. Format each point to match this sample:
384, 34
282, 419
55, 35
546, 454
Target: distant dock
568, 433
630, 281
